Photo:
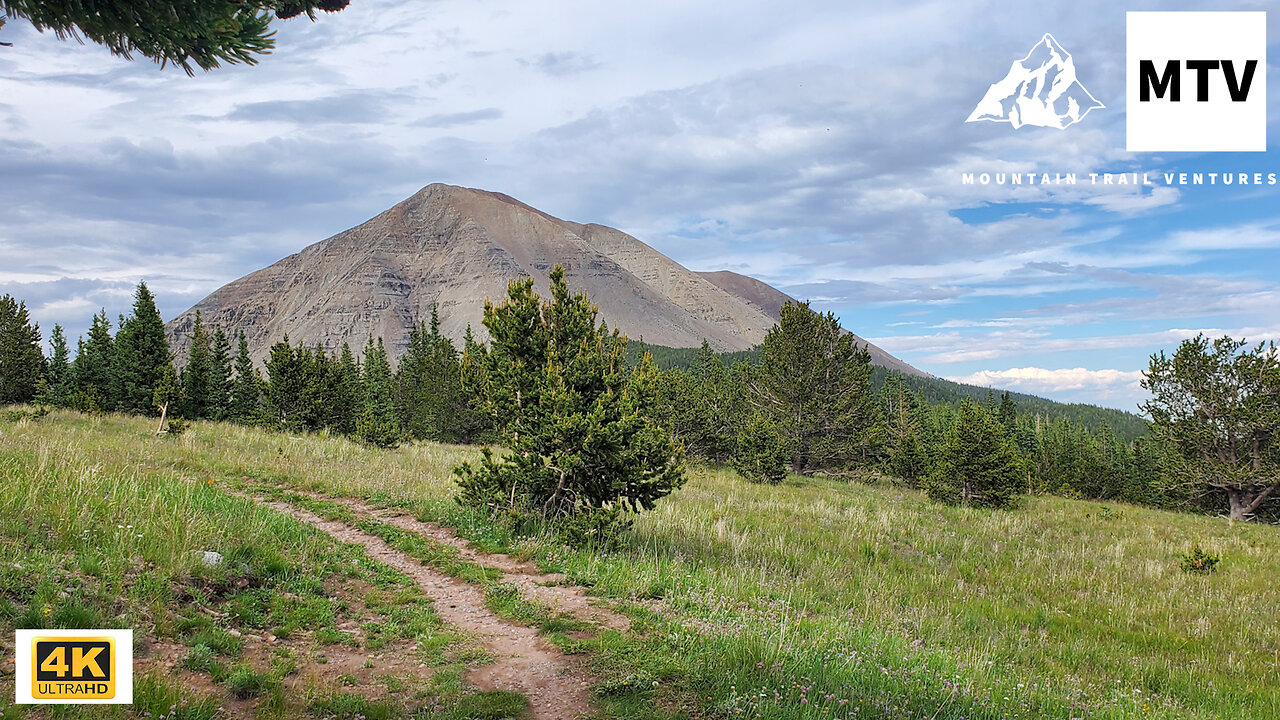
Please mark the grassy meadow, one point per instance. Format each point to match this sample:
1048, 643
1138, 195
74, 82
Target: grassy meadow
813, 599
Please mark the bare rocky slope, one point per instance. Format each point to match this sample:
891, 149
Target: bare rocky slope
455, 248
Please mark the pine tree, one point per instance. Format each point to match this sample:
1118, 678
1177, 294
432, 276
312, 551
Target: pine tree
185, 33
816, 381
1007, 413
285, 386
59, 385
377, 424
195, 376
1215, 406
908, 458
576, 417
978, 465
92, 370
429, 392
21, 360
347, 393
218, 405
714, 409
760, 452
142, 353
167, 393
246, 387
478, 424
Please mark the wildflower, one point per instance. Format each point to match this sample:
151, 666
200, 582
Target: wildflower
47, 610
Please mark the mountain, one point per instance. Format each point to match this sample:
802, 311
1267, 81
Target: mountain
455, 248
1040, 89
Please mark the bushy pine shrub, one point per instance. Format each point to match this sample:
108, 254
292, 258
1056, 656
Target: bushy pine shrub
761, 454
576, 418
977, 464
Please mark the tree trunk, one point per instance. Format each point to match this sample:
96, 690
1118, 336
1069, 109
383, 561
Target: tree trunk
1239, 502
164, 409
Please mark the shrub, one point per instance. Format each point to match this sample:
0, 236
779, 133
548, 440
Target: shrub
760, 454
577, 418
978, 465
1199, 561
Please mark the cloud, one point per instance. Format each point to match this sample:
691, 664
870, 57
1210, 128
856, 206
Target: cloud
354, 106
1110, 388
1041, 380
445, 120
1250, 235
1136, 201
561, 64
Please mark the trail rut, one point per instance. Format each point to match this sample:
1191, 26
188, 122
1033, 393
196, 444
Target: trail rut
547, 587
524, 663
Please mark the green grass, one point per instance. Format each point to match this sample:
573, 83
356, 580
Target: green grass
504, 599
102, 525
812, 599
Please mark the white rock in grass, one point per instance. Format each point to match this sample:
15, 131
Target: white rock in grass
210, 558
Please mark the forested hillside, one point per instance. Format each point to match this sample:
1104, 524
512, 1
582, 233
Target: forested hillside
1126, 425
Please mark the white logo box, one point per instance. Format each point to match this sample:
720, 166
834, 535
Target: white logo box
1189, 125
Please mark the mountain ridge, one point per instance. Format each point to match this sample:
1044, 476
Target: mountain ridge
453, 248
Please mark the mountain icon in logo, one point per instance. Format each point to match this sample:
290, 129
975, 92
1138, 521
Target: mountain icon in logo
1041, 89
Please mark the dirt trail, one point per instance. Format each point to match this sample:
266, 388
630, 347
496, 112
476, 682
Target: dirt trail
524, 662
546, 587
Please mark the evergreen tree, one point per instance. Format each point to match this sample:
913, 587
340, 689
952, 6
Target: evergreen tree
760, 452
908, 458
21, 360
714, 408
246, 387
378, 425
92, 370
1007, 412
168, 392
1215, 405
347, 393
816, 381
218, 405
576, 417
429, 392
142, 353
978, 465
196, 375
478, 424
286, 386
59, 385
186, 33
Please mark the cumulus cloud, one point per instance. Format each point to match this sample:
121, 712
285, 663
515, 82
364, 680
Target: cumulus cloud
1041, 380
1112, 388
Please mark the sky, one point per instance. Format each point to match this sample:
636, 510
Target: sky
818, 146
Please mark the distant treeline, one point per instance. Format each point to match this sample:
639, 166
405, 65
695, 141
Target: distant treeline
1125, 425
900, 432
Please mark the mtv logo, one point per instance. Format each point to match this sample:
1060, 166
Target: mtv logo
1196, 82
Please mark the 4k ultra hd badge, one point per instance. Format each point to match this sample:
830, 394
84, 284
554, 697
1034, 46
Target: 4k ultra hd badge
74, 666
1197, 81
